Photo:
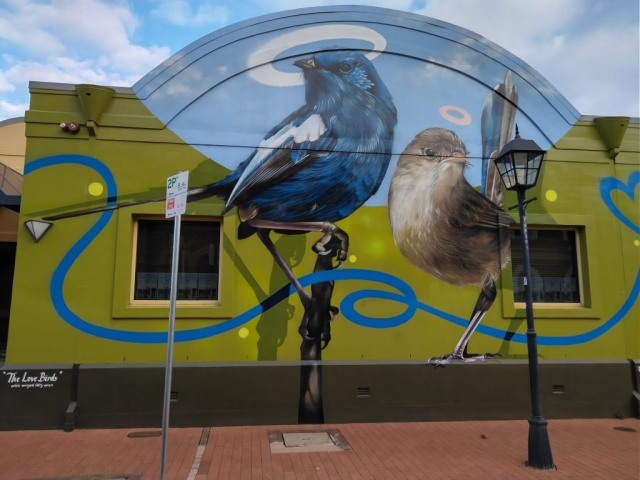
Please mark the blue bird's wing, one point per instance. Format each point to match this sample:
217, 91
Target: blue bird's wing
498, 115
300, 138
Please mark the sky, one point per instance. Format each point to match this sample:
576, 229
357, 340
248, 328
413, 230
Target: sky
588, 49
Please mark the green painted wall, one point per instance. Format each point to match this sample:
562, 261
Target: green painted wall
141, 153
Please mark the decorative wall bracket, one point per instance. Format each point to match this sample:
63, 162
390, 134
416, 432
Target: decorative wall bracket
612, 130
94, 100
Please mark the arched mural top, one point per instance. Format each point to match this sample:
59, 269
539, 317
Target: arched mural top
224, 92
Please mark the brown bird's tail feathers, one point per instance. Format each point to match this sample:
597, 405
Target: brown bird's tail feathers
498, 116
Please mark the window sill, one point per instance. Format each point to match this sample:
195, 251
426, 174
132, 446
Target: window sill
548, 311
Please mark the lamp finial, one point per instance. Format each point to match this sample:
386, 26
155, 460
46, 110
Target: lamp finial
517, 131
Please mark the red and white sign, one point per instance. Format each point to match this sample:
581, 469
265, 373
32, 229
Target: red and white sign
177, 186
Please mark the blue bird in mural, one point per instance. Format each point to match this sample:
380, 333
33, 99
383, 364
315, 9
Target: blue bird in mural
316, 167
320, 163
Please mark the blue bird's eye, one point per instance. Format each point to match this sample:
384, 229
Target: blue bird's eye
429, 153
345, 67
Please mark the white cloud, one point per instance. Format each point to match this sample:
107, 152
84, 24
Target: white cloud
592, 59
63, 70
176, 12
278, 5
89, 41
588, 50
211, 14
180, 12
459, 62
5, 84
10, 110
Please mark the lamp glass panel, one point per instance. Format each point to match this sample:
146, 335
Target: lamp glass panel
501, 167
510, 177
521, 174
534, 168
520, 158
505, 168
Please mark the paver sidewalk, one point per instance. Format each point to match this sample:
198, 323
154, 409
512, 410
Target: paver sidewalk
582, 449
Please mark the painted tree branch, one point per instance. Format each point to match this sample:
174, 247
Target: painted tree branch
315, 330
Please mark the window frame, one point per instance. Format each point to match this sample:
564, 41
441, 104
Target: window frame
165, 303
590, 306
123, 304
562, 228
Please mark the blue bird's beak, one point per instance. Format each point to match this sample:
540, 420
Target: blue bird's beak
305, 63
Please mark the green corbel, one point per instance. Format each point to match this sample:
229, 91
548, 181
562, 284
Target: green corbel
94, 100
612, 130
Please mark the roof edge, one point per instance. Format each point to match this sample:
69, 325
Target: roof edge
591, 118
11, 121
66, 87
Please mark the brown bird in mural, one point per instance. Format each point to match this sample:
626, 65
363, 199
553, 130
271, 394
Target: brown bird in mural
444, 226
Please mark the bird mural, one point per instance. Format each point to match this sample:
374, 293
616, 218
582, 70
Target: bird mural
316, 167
320, 163
443, 225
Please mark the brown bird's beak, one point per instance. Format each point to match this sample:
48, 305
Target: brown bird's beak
457, 157
305, 63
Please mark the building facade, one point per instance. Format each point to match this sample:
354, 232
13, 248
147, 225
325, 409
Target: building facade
309, 115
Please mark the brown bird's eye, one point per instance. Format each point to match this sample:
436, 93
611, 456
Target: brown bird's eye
429, 153
345, 67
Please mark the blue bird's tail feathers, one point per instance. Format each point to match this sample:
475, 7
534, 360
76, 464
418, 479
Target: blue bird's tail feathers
498, 116
221, 189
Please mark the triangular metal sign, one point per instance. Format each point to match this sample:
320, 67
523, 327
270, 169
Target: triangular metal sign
37, 228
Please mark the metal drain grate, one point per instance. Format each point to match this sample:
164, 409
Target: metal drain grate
363, 392
307, 441
144, 434
558, 389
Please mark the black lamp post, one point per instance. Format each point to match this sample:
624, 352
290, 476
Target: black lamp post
519, 164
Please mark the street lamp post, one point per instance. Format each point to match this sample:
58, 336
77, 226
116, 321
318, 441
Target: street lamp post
519, 164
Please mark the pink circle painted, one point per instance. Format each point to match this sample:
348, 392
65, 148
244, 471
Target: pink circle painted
464, 120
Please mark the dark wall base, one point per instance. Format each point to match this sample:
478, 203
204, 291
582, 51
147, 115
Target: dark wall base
127, 396
31, 401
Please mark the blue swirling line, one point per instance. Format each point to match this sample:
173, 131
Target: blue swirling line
407, 295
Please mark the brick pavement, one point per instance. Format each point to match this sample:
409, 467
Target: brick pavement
582, 449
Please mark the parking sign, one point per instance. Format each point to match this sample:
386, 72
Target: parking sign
177, 186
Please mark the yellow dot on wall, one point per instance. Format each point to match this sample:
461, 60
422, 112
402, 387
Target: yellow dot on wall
95, 189
551, 195
353, 258
243, 332
636, 243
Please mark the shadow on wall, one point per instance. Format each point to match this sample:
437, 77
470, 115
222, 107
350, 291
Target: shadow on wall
273, 324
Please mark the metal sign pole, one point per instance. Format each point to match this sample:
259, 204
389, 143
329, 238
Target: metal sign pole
176, 201
170, 334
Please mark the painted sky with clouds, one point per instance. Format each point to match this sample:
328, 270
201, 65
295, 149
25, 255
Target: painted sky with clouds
588, 49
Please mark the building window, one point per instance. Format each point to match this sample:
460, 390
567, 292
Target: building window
198, 265
555, 270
